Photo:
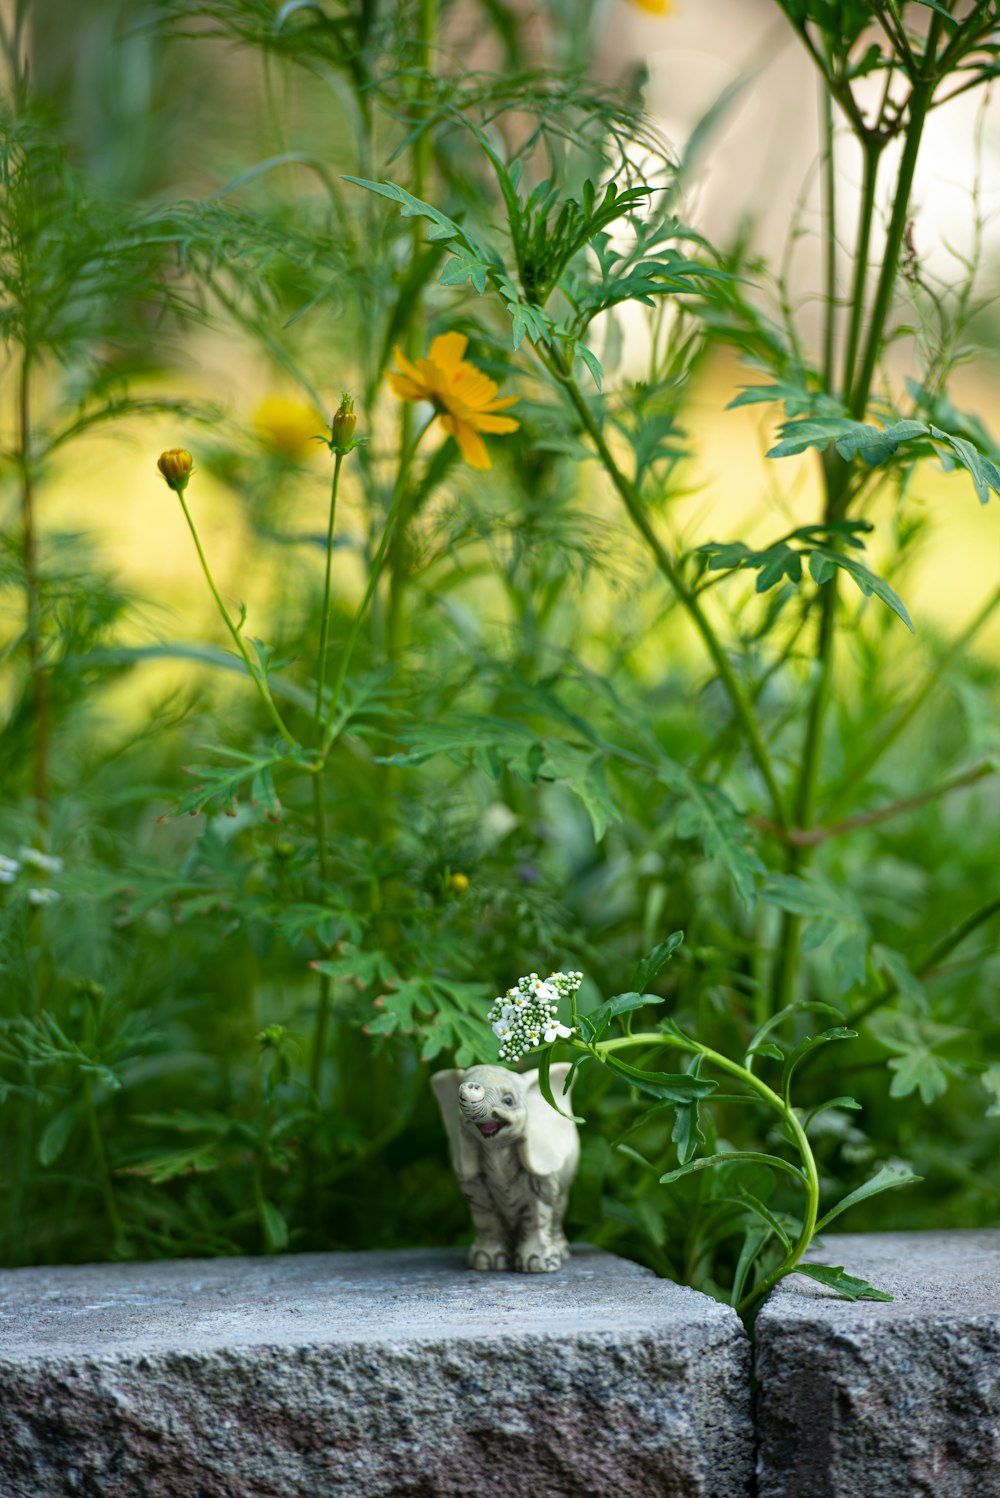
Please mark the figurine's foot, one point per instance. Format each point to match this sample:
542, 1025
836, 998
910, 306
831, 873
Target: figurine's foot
535, 1257
484, 1256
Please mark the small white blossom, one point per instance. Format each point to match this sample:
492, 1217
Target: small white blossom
526, 1014
46, 863
555, 1031
42, 896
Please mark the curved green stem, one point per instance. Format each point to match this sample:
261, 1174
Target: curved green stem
634, 506
255, 676
787, 1114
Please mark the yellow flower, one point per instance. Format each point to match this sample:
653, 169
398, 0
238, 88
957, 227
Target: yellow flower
656, 7
287, 426
462, 396
175, 465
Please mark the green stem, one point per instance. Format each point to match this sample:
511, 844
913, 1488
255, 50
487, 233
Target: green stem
255, 677
872, 148
879, 747
32, 590
324, 628
773, 1100
829, 170
103, 1168
920, 99
374, 573
634, 507
421, 160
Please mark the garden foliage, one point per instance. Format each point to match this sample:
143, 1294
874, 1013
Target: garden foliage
486, 706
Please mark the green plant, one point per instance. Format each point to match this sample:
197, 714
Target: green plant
489, 716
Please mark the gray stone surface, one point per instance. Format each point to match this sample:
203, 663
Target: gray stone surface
875, 1400
400, 1374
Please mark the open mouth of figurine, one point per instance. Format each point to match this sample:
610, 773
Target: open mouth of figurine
489, 1129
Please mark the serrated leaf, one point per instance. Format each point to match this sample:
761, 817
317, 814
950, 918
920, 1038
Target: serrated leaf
868, 583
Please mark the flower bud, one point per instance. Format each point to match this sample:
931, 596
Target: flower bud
175, 465
458, 883
343, 425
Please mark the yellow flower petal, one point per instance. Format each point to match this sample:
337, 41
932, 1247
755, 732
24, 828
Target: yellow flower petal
447, 351
470, 444
486, 423
656, 7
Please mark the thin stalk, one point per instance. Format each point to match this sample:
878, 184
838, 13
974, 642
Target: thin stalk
421, 160
773, 1100
829, 171
634, 507
255, 677
319, 786
919, 100
872, 148
39, 679
374, 574
324, 628
879, 747
103, 1168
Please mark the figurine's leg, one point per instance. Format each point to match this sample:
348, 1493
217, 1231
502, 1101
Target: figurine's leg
490, 1250
539, 1244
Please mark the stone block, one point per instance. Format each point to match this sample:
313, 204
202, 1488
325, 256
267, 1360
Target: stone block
358, 1375
878, 1399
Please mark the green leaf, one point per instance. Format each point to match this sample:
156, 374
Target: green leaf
876, 444
867, 582
622, 1003
754, 1204
848, 1286
687, 1132
807, 1044
672, 1088
984, 472
812, 431
56, 1134
800, 1006
653, 961
724, 833
834, 1102
754, 1240
275, 1227
991, 1081
731, 1157
545, 1085
887, 1179
593, 364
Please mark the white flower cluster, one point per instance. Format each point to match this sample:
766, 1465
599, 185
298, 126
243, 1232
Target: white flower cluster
525, 1016
32, 858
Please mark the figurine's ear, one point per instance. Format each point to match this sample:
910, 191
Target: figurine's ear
550, 1141
463, 1149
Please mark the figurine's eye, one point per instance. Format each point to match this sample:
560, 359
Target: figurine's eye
507, 1100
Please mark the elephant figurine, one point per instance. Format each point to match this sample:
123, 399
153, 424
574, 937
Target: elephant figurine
515, 1158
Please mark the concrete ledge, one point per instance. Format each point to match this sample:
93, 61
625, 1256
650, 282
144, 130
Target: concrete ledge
885, 1400
398, 1374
